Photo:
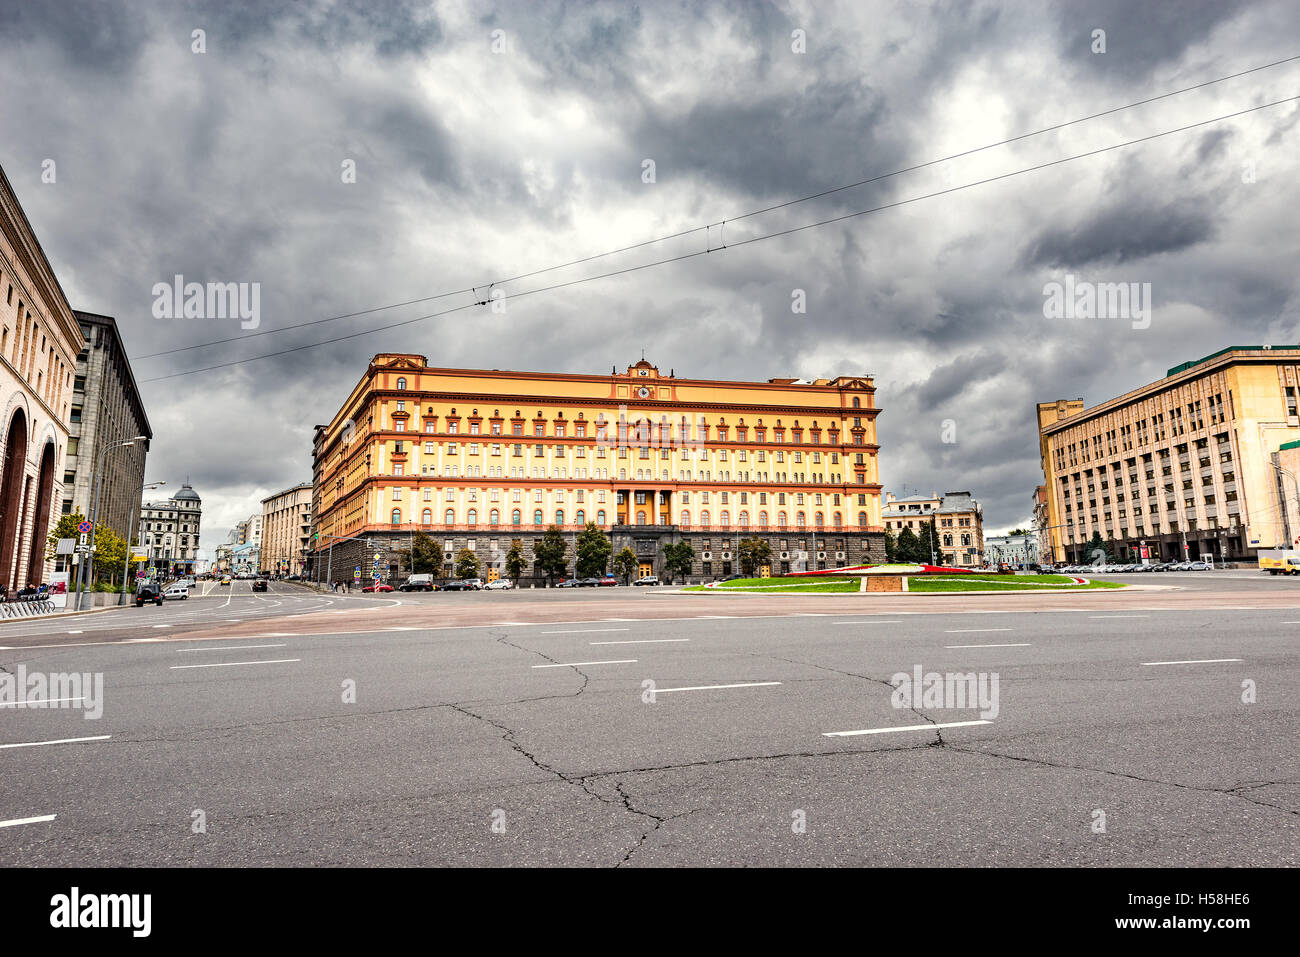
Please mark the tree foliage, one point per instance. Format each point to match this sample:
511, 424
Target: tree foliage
753, 553
552, 554
515, 561
594, 549
625, 563
467, 564
678, 559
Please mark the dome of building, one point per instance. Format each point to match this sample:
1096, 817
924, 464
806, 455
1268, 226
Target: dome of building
187, 494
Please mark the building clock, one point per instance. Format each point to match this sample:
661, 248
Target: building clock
643, 392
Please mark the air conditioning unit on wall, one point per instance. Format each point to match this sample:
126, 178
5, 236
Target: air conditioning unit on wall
785, 554
708, 556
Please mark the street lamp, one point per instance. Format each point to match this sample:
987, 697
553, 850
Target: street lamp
126, 565
84, 573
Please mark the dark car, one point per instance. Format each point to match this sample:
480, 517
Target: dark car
457, 585
148, 591
589, 583
259, 585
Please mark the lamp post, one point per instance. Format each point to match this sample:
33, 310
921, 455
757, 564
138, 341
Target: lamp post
84, 573
126, 565
1286, 523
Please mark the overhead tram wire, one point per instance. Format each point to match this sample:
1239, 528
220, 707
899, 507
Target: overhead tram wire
708, 226
743, 242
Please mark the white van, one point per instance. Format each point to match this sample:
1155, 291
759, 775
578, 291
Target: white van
176, 591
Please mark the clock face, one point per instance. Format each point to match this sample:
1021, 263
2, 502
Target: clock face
643, 392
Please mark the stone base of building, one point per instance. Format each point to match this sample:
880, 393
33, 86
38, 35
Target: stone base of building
715, 552
1206, 545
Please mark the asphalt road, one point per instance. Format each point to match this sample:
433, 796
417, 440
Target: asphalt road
518, 728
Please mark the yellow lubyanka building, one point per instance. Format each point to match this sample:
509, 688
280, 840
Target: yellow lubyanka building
1184, 467
480, 457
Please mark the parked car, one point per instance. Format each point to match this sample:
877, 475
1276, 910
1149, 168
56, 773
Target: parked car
1200, 567
589, 583
728, 578
608, 581
462, 584
176, 590
568, 583
148, 591
647, 580
226, 580
378, 587
420, 582
501, 584
259, 584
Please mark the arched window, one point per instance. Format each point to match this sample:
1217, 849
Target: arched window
494, 517
426, 517
450, 517
401, 385
762, 518
600, 517
537, 517
724, 518
800, 520
559, 517
744, 519
397, 516
820, 519
857, 403
640, 518
686, 517
704, 518
862, 519
839, 521
622, 473
780, 519
516, 518
472, 518
580, 518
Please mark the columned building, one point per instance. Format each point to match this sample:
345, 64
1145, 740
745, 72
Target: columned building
286, 530
39, 343
169, 532
477, 458
106, 412
1186, 467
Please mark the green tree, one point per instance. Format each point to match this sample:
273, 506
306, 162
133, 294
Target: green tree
678, 559
426, 554
891, 548
1020, 531
927, 544
65, 528
907, 547
515, 561
1098, 552
552, 554
753, 553
594, 549
625, 563
467, 564
110, 555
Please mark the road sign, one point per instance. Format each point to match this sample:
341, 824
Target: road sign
83, 527
66, 546
377, 556
83, 538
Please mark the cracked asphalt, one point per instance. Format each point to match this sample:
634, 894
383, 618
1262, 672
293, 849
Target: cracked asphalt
1126, 733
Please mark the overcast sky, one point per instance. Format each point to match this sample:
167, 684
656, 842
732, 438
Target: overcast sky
490, 140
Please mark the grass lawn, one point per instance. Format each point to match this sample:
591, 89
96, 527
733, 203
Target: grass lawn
1001, 583
796, 586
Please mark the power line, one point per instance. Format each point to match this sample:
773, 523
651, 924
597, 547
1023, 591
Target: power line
743, 242
708, 226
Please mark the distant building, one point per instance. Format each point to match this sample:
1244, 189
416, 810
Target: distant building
1041, 522
958, 520
106, 412
245, 560
1183, 467
286, 530
169, 532
1013, 549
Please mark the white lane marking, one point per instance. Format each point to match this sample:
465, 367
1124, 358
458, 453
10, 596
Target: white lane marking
576, 664
747, 684
1019, 644
583, 631
714, 616
76, 631
1119, 616
36, 702
910, 727
965, 631
230, 664
512, 623
34, 744
639, 641
1195, 661
231, 648
874, 621
28, 820
162, 626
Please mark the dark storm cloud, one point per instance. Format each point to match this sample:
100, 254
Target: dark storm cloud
474, 166
1123, 234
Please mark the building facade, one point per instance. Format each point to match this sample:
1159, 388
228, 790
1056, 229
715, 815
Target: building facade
958, 521
106, 412
169, 532
39, 343
1182, 468
1041, 522
286, 530
478, 458
1012, 549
